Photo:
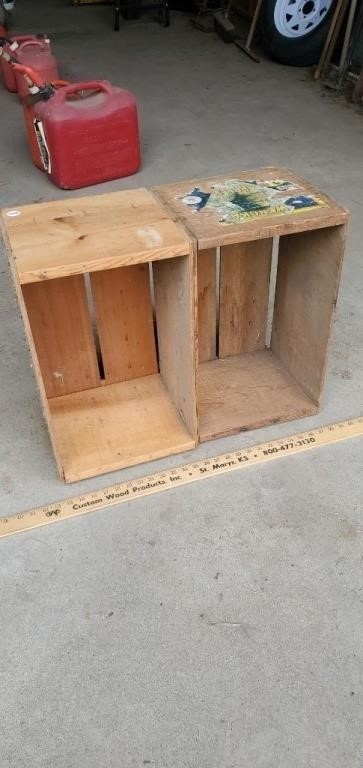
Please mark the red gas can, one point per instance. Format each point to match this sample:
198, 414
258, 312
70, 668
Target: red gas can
91, 139
37, 55
8, 74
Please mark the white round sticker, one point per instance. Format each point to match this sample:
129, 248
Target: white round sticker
192, 200
12, 214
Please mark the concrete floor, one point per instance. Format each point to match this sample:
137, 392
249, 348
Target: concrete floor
218, 625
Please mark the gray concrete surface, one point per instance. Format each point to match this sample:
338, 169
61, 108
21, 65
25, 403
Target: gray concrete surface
218, 625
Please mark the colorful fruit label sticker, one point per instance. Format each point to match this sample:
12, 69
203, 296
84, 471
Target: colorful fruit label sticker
237, 201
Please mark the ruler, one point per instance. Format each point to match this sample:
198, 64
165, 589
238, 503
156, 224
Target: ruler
188, 473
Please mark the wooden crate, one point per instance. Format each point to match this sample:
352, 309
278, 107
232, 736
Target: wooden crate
116, 368
249, 377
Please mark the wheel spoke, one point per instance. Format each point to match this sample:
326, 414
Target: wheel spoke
305, 25
293, 17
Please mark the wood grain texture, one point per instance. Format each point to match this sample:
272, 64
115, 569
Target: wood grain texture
246, 392
244, 293
116, 426
70, 237
62, 334
96, 428
124, 205
175, 307
207, 229
207, 304
124, 319
35, 362
306, 293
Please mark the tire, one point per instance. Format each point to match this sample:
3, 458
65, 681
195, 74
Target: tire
294, 31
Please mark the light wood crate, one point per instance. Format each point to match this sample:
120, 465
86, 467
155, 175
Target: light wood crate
114, 350
249, 377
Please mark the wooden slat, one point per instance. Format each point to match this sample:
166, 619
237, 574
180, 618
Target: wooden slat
306, 293
68, 237
81, 253
124, 319
175, 306
244, 292
65, 224
116, 426
246, 392
207, 304
86, 206
61, 330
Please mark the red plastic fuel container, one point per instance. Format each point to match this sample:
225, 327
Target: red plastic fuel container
90, 139
37, 55
8, 74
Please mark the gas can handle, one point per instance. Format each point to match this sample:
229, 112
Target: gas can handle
60, 83
89, 85
32, 74
37, 43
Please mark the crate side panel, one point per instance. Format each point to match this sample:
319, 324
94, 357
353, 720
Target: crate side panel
35, 361
70, 237
196, 205
175, 306
207, 304
306, 292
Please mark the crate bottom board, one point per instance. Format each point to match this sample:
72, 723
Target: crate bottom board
115, 426
247, 391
